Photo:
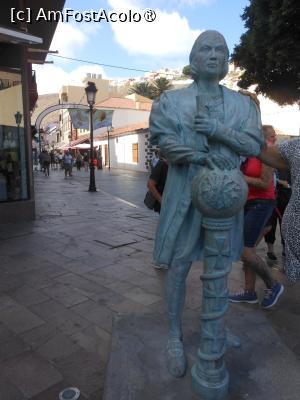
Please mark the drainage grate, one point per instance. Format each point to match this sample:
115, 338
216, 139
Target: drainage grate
69, 394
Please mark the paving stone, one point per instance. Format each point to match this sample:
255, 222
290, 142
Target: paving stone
95, 340
84, 369
37, 337
9, 282
30, 374
96, 395
120, 286
78, 266
129, 307
66, 320
27, 295
140, 296
13, 347
58, 346
97, 314
98, 276
19, 319
35, 279
64, 294
7, 303
53, 392
5, 333
8, 391
83, 285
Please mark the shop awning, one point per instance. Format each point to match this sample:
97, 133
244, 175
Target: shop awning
81, 146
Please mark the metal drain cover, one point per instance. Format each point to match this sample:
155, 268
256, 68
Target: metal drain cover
69, 394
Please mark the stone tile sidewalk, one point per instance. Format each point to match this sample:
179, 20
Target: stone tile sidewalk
64, 277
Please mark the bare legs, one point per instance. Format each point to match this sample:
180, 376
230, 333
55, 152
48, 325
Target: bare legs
254, 265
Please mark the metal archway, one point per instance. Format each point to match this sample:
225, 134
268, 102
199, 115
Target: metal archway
56, 107
50, 109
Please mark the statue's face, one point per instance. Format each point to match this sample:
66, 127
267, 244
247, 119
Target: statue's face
211, 57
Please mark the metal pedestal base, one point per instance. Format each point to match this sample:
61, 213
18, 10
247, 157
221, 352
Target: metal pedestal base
207, 390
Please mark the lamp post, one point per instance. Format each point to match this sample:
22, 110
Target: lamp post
91, 91
18, 118
109, 129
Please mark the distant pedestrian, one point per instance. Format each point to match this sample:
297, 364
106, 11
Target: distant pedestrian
52, 157
86, 162
99, 158
155, 159
60, 160
56, 161
79, 161
157, 181
68, 163
46, 162
156, 185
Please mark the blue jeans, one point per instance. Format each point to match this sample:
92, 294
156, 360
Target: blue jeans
256, 215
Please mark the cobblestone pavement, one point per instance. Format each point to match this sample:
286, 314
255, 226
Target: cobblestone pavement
85, 259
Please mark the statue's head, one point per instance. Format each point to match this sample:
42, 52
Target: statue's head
209, 56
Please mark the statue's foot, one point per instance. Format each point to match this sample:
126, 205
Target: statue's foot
176, 359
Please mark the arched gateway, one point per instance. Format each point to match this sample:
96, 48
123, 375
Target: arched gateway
50, 109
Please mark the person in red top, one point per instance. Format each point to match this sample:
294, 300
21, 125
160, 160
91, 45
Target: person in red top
257, 211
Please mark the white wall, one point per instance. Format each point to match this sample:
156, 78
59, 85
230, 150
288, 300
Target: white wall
286, 118
121, 152
125, 117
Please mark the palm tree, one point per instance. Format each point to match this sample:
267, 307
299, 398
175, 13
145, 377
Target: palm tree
143, 89
159, 86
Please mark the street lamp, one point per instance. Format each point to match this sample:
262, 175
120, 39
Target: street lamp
91, 91
18, 117
109, 129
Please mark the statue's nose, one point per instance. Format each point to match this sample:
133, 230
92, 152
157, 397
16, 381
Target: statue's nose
212, 54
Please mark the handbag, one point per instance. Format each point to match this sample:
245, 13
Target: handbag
149, 200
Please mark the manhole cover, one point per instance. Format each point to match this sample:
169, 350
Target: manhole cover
69, 394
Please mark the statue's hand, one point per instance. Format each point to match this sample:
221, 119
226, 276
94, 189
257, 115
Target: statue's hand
198, 158
219, 161
204, 124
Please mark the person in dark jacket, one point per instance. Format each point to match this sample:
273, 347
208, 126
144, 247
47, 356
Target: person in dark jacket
157, 181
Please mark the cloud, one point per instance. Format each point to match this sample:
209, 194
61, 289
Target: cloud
59, 77
168, 36
192, 3
68, 39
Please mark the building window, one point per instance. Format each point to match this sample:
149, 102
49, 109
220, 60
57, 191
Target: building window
135, 152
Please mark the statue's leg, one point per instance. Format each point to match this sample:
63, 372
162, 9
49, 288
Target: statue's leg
175, 297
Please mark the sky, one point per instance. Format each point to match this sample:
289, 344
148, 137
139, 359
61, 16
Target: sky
142, 45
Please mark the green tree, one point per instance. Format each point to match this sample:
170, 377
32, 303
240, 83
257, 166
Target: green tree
268, 51
186, 70
159, 86
143, 89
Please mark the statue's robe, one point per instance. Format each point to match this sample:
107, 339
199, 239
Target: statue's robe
172, 129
